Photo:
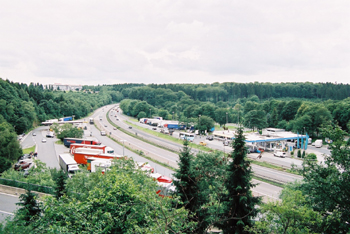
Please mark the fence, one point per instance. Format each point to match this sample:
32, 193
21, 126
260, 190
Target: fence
28, 186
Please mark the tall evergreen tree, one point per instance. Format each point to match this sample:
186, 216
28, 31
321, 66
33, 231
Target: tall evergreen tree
239, 205
30, 208
186, 187
60, 179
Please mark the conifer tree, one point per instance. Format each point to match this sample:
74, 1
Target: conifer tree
30, 208
240, 205
186, 187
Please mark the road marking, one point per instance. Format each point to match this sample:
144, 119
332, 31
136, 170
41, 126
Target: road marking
8, 213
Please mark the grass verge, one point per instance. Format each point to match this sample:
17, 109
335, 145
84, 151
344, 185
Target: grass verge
278, 168
28, 150
268, 181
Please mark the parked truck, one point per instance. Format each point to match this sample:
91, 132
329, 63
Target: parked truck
68, 141
81, 155
104, 148
68, 164
66, 118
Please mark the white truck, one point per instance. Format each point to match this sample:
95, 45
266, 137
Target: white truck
68, 164
318, 143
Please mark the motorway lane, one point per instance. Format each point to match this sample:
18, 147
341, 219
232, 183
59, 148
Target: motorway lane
262, 189
258, 170
7, 205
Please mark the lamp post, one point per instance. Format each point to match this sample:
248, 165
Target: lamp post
123, 146
150, 113
199, 124
173, 115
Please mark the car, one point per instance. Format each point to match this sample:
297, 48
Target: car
130, 127
105, 125
43, 140
210, 138
34, 134
280, 154
114, 128
203, 143
226, 143
154, 128
117, 119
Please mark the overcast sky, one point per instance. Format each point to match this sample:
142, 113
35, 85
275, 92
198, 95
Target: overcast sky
175, 41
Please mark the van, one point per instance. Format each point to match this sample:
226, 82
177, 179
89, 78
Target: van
103, 133
309, 141
318, 143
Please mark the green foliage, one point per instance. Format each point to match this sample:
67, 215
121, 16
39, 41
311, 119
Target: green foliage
326, 186
239, 204
303, 155
299, 153
311, 156
123, 200
205, 124
10, 149
67, 130
290, 215
30, 208
60, 178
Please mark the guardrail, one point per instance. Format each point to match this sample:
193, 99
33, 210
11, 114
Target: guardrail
28, 186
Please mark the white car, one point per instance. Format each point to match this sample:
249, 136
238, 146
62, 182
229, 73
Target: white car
280, 154
43, 140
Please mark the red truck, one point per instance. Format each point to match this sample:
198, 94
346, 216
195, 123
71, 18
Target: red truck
68, 141
81, 155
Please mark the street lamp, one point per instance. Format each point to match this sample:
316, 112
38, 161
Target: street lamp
123, 146
173, 115
199, 124
150, 112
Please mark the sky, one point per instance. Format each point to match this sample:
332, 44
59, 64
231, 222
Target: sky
174, 41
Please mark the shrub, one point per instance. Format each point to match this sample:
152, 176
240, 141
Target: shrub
299, 153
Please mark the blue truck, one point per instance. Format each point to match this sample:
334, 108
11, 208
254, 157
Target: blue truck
66, 118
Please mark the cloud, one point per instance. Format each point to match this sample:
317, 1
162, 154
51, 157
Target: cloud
167, 41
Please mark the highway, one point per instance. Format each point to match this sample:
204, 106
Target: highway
267, 173
7, 206
264, 189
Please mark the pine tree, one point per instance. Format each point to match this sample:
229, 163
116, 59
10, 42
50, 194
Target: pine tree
30, 208
60, 178
239, 206
186, 187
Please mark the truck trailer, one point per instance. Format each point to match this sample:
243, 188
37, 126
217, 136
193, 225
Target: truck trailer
81, 156
66, 118
105, 149
68, 141
68, 164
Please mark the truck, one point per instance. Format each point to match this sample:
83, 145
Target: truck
91, 121
68, 164
65, 119
94, 163
318, 143
104, 148
68, 141
50, 134
81, 155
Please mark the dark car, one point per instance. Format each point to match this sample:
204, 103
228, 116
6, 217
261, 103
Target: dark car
130, 127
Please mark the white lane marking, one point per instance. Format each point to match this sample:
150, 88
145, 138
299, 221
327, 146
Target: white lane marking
8, 213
